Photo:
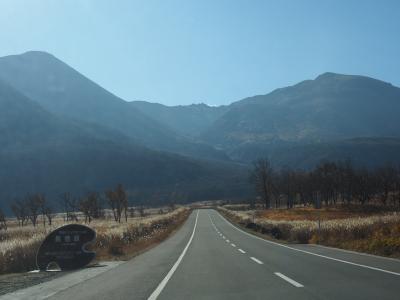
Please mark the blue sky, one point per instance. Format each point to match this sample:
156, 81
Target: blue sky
216, 52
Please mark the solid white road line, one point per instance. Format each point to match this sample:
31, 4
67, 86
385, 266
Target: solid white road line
49, 295
256, 260
233, 245
171, 272
356, 253
291, 281
308, 252
240, 250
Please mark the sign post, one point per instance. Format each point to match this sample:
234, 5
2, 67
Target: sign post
65, 246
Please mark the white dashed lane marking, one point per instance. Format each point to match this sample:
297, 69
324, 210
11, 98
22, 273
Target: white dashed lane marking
291, 281
256, 260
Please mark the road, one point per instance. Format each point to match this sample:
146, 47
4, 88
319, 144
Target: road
209, 258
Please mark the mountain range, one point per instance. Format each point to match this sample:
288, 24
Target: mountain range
334, 117
43, 152
63, 91
61, 132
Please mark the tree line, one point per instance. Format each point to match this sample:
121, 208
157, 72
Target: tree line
328, 183
89, 207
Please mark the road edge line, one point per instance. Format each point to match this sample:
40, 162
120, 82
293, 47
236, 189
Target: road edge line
171, 272
308, 252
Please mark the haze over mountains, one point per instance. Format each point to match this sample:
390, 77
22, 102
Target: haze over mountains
61, 132
42, 152
332, 117
63, 91
331, 108
189, 120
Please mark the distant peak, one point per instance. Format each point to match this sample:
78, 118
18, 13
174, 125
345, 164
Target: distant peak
199, 104
328, 75
36, 53
32, 55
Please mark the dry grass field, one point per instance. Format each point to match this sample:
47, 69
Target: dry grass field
354, 228
18, 245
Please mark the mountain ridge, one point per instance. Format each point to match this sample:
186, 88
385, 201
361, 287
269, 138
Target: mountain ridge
43, 152
62, 90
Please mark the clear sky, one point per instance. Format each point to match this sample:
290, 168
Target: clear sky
216, 51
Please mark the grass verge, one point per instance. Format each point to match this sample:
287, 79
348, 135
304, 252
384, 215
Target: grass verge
377, 234
115, 241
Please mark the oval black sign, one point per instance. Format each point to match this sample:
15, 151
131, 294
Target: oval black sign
66, 247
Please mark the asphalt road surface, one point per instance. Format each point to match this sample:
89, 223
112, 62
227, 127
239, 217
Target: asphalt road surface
209, 258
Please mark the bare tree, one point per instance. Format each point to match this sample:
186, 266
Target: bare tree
70, 206
141, 211
287, 185
124, 199
90, 206
132, 212
3, 221
34, 203
85, 208
65, 198
386, 179
48, 211
43, 207
19, 208
328, 183
262, 176
114, 205
118, 202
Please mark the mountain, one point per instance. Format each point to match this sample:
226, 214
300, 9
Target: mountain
332, 107
189, 120
63, 91
43, 152
363, 152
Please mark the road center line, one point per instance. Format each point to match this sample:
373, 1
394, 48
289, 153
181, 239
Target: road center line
242, 251
308, 252
227, 241
233, 245
256, 260
171, 272
291, 281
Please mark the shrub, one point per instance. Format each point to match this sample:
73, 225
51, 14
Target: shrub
379, 234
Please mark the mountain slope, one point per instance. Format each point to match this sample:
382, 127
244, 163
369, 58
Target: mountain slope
63, 91
42, 152
331, 107
363, 152
189, 120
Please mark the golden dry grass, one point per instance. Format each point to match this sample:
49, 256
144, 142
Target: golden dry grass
312, 214
18, 245
377, 233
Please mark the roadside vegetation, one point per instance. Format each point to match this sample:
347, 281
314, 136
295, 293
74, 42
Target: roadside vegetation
377, 233
122, 230
335, 204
